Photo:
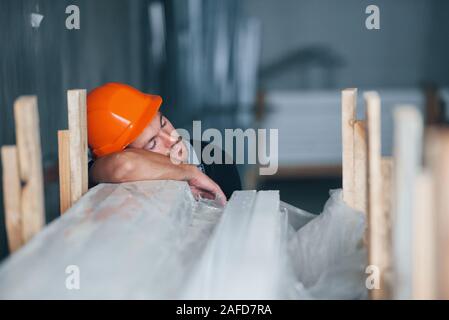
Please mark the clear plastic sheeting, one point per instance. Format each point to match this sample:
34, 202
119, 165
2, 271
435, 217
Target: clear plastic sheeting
128, 241
153, 240
297, 218
328, 258
245, 258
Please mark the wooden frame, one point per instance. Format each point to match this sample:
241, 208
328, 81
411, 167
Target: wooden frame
348, 117
406, 200
72, 151
23, 177
366, 180
65, 201
12, 197
437, 204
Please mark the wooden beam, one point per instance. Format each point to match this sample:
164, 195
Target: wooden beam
78, 143
376, 255
408, 132
11, 197
385, 231
424, 239
64, 170
360, 166
30, 165
348, 116
437, 154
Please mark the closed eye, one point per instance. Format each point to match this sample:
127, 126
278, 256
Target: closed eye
151, 144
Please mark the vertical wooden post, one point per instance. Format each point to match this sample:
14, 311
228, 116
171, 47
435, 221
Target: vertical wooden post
348, 116
360, 166
78, 143
387, 198
64, 170
376, 223
438, 154
11, 197
424, 244
407, 151
30, 165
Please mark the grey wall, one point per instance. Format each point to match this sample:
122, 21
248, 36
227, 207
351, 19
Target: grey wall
324, 43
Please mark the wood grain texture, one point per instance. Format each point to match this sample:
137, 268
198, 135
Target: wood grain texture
348, 115
385, 232
360, 166
11, 197
424, 239
30, 165
64, 170
437, 156
78, 143
376, 254
443, 216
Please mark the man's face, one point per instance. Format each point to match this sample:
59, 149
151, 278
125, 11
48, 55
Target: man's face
161, 137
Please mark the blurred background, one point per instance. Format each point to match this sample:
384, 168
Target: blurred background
231, 64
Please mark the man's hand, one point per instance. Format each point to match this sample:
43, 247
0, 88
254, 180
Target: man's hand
138, 165
202, 185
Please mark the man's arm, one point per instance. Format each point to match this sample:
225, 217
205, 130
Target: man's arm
137, 165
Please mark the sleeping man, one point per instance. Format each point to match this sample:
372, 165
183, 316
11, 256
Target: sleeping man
131, 140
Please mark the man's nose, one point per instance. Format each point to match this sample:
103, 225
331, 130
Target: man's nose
170, 139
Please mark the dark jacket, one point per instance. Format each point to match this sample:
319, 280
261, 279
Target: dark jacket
225, 175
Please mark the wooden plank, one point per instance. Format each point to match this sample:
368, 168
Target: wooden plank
437, 155
64, 170
424, 239
376, 256
385, 231
348, 116
30, 165
78, 143
407, 159
360, 166
443, 216
11, 197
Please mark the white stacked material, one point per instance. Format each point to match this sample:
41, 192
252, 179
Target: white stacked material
148, 240
309, 123
129, 241
245, 257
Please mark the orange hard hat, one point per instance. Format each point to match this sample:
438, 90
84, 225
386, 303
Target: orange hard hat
116, 115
